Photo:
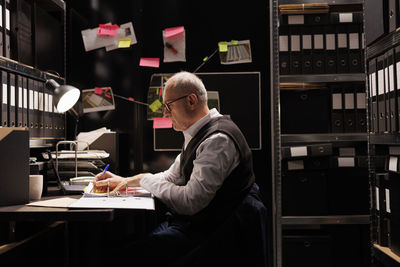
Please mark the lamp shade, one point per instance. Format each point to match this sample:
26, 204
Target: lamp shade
65, 96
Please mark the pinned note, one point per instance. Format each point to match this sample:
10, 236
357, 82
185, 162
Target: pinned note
173, 31
107, 30
124, 43
223, 46
98, 91
234, 42
205, 59
160, 123
131, 98
155, 105
149, 62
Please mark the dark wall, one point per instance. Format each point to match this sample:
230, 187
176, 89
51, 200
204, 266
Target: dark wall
206, 23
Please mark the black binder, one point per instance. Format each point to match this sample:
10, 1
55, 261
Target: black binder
392, 90
397, 86
46, 111
306, 42
20, 107
392, 15
336, 109
284, 64
349, 110
330, 43
318, 50
382, 182
316, 19
12, 100
1, 28
375, 25
387, 91
295, 50
354, 31
40, 89
381, 94
373, 95
361, 117
35, 112
6, 28
347, 17
4, 99
25, 99
21, 31
342, 48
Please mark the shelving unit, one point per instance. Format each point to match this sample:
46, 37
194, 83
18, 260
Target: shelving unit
295, 224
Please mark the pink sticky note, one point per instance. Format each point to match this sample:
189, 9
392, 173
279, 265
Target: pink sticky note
159, 123
107, 30
173, 31
98, 91
150, 62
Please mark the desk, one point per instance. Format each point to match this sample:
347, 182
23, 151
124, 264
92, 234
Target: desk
78, 233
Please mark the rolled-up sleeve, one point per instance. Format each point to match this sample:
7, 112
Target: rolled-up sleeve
216, 157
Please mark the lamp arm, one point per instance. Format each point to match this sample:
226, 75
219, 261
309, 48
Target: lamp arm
131, 100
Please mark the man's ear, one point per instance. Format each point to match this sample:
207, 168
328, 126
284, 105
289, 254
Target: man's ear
193, 100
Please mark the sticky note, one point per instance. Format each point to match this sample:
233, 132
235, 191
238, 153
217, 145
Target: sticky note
159, 123
173, 31
223, 46
160, 92
107, 30
155, 105
131, 98
234, 42
149, 62
124, 43
98, 91
205, 59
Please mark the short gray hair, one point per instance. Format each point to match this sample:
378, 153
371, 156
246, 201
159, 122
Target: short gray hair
186, 83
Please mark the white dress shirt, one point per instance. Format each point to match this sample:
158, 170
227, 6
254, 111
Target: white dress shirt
216, 157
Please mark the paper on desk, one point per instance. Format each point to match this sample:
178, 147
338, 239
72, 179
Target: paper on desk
62, 202
90, 137
146, 203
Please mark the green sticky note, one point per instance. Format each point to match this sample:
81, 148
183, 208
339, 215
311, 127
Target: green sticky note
157, 91
234, 42
155, 105
205, 59
124, 43
223, 46
165, 78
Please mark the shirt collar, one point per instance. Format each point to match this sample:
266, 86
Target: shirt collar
192, 130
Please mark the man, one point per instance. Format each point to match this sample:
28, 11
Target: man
207, 181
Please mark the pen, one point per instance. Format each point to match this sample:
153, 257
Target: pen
106, 168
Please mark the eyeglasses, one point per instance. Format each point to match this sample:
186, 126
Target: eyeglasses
166, 105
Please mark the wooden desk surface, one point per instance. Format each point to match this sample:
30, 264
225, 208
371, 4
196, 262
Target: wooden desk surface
40, 214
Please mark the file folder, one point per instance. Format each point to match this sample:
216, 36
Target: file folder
7, 29
284, 64
20, 106
381, 95
349, 110
319, 50
361, 112
337, 109
307, 40
295, 50
12, 100
4, 99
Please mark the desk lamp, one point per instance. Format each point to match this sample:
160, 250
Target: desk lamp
65, 96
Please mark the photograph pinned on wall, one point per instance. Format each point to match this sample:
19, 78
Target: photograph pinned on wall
97, 99
235, 52
125, 31
174, 44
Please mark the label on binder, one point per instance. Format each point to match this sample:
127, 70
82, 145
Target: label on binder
387, 197
300, 151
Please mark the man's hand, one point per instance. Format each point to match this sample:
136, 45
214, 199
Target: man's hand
101, 181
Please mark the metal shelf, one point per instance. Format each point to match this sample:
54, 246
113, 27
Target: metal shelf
385, 256
317, 138
323, 78
20, 68
52, 5
389, 40
334, 219
329, 2
384, 139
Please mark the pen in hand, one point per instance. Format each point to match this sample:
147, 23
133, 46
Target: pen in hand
105, 169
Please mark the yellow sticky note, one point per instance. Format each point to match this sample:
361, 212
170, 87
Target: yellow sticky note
205, 59
223, 46
155, 105
124, 43
234, 42
165, 78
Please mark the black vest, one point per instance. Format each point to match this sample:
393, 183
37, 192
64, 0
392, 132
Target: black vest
234, 188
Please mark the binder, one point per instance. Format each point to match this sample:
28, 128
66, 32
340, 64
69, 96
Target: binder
311, 150
382, 182
25, 100
20, 106
316, 19
397, 85
295, 50
36, 118
1, 28
373, 95
375, 25
331, 57
31, 120
51, 114
40, 90
346, 17
21, 31
349, 110
381, 94
342, 48
318, 50
7, 29
392, 91
392, 15
12, 100
284, 64
4, 100
336, 109
361, 112
46, 111
306, 42
354, 31
387, 91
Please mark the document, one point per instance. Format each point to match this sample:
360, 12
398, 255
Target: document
146, 203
